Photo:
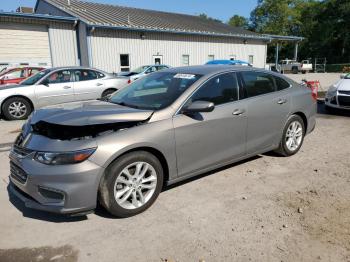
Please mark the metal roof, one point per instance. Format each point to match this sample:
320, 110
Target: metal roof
119, 17
38, 16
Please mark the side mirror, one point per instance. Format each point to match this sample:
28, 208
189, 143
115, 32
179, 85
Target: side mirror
342, 76
199, 107
45, 82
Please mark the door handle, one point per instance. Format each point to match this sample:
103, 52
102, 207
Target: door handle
67, 87
238, 112
282, 101
99, 84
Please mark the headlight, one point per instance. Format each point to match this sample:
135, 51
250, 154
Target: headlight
63, 158
332, 91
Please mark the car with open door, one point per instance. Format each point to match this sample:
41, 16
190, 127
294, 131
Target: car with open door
166, 127
17, 74
55, 86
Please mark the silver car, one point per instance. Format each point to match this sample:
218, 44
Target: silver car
55, 86
159, 130
141, 72
338, 95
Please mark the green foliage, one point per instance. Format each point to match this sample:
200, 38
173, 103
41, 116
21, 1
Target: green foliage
239, 21
324, 24
204, 16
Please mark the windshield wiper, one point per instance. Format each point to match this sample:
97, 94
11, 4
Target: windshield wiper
125, 104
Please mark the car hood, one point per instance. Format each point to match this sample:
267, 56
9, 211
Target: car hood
89, 113
343, 85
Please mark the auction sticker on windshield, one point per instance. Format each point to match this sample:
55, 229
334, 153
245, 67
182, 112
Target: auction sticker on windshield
184, 76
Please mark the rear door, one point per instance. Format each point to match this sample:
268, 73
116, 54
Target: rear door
88, 84
56, 88
206, 139
268, 107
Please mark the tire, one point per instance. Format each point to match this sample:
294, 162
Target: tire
329, 109
16, 108
111, 194
108, 92
284, 149
303, 72
295, 70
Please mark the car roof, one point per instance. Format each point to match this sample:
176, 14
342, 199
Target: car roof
206, 69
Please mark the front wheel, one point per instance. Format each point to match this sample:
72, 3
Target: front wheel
293, 136
108, 92
131, 184
16, 108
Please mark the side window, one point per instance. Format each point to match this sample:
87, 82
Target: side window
33, 71
281, 83
18, 73
85, 75
59, 77
258, 83
219, 90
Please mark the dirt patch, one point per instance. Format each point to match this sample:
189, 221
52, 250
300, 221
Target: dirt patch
324, 216
41, 254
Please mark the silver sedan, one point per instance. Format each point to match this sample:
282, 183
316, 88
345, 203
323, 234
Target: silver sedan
161, 129
55, 86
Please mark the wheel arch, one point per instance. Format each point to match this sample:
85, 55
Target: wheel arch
21, 96
158, 154
303, 117
109, 89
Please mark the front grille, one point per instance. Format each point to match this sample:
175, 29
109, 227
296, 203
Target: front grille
344, 101
17, 173
344, 92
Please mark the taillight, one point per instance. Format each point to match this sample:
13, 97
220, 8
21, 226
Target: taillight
129, 81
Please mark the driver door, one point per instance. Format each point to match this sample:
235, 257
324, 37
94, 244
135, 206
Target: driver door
206, 139
56, 88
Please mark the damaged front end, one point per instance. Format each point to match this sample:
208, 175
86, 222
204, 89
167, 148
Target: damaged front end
69, 132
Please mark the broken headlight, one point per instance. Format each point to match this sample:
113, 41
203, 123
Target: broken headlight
63, 158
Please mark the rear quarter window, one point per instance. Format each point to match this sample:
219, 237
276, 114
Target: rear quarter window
258, 83
281, 84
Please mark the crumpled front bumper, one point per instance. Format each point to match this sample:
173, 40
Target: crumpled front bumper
68, 189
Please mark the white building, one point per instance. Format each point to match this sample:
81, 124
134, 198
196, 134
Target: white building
115, 38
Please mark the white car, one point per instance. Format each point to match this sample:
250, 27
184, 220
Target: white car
139, 72
55, 86
338, 95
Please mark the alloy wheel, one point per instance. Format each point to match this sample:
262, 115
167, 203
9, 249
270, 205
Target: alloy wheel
17, 109
135, 185
294, 135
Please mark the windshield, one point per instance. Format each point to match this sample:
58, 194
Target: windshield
35, 78
155, 91
347, 76
140, 69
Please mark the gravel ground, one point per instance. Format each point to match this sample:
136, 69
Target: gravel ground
267, 208
326, 79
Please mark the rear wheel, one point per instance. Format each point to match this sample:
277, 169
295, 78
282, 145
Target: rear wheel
107, 92
293, 136
131, 184
295, 70
16, 108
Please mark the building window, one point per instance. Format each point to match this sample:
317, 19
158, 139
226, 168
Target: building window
251, 59
232, 57
124, 63
211, 57
186, 60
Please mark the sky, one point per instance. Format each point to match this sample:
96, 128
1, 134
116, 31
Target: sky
220, 9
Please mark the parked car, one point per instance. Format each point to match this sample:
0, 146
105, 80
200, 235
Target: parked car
161, 129
295, 67
338, 95
141, 72
228, 62
55, 86
17, 74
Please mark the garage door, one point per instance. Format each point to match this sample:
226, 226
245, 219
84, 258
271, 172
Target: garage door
23, 43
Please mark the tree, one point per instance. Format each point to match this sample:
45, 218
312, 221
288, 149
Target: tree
206, 17
238, 21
